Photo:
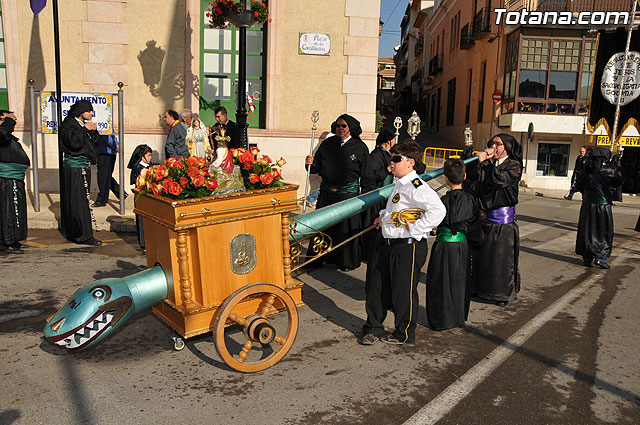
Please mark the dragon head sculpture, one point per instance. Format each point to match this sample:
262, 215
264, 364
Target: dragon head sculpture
97, 309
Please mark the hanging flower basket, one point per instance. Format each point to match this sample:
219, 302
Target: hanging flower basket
223, 13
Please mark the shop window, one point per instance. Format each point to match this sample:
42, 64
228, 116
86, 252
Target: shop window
553, 159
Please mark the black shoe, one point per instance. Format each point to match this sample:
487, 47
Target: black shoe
92, 242
603, 264
98, 204
501, 303
587, 261
567, 197
16, 245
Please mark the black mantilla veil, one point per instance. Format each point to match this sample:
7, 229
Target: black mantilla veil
511, 145
354, 124
136, 156
80, 107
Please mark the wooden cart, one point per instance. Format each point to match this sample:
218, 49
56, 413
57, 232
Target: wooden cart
228, 268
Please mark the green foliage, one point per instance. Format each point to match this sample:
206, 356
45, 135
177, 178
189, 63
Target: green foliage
379, 122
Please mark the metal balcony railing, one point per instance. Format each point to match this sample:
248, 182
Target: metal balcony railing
569, 5
466, 37
435, 64
481, 23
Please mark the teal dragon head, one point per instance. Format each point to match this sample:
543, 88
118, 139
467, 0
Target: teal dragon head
97, 309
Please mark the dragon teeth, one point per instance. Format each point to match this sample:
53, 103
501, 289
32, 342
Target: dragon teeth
85, 334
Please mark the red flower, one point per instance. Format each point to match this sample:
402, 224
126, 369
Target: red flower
254, 150
160, 173
281, 162
140, 181
198, 180
212, 185
167, 183
266, 158
156, 189
266, 178
178, 164
192, 172
276, 173
253, 178
184, 181
255, 15
192, 160
269, 19
174, 188
247, 159
202, 162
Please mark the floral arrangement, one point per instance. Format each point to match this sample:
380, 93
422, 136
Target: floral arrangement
258, 173
178, 178
219, 8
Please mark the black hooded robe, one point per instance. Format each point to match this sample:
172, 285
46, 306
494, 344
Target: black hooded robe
594, 239
340, 166
77, 142
13, 197
495, 274
448, 281
136, 167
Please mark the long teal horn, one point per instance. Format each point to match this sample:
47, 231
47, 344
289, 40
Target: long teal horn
324, 218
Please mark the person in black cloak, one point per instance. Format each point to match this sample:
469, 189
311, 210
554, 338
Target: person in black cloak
342, 163
140, 160
448, 281
595, 225
79, 137
13, 198
494, 180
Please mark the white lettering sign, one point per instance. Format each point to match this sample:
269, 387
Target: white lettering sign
102, 107
612, 78
314, 44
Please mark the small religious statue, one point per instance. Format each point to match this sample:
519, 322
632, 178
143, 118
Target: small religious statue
226, 173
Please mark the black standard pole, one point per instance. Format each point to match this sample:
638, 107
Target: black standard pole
56, 43
241, 101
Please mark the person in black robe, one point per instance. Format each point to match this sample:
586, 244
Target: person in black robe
595, 225
494, 180
231, 129
140, 160
13, 198
577, 169
379, 173
448, 283
342, 162
79, 138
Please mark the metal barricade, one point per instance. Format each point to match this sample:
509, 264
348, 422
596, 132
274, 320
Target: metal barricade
435, 157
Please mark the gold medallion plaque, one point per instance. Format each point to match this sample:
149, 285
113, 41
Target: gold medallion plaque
243, 253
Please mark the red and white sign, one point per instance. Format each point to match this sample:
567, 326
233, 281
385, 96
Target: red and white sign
497, 96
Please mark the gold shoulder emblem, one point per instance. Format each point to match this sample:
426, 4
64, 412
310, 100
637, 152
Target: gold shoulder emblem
396, 198
417, 182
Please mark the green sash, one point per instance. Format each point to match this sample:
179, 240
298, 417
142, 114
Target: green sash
594, 197
444, 235
79, 161
11, 170
351, 187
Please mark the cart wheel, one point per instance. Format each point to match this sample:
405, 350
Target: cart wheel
257, 327
178, 343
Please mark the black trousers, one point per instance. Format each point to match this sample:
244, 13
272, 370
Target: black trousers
106, 181
392, 283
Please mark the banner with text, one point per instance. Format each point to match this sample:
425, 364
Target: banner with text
102, 106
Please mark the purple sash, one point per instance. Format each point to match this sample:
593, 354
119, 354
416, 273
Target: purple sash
501, 215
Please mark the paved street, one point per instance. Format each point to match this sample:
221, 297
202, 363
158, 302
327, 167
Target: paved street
564, 352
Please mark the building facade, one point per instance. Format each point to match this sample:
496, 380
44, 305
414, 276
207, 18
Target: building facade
168, 58
539, 75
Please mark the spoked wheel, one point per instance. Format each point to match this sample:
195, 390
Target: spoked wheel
261, 343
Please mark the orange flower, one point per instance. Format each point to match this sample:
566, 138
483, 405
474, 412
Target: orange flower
254, 150
281, 162
191, 161
174, 188
192, 172
212, 184
253, 178
184, 181
160, 173
156, 189
178, 164
166, 184
170, 161
202, 162
198, 180
234, 152
247, 159
266, 178
276, 173
266, 158
140, 181
263, 161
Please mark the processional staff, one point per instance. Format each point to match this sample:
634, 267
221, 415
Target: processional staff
315, 116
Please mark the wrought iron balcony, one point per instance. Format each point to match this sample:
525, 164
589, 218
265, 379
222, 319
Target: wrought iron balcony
569, 5
435, 64
482, 23
466, 37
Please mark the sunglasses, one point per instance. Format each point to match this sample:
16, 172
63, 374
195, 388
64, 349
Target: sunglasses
399, 158
342, 125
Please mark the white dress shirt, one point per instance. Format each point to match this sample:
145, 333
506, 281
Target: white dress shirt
412, 192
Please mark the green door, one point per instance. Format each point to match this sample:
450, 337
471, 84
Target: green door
4, 96
219, 70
